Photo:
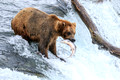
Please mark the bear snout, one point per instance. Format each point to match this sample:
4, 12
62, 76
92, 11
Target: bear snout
72, 40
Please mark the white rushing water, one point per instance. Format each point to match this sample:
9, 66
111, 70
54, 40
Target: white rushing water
88, 63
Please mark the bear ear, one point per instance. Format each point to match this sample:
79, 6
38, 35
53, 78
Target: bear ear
74, 24
63, 24
59, 26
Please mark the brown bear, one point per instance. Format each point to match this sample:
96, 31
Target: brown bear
35, 25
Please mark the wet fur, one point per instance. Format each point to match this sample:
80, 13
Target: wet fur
35, 25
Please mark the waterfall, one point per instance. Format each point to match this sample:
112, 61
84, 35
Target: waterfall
88, 63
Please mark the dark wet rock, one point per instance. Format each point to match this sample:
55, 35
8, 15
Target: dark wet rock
9, 58
61, 8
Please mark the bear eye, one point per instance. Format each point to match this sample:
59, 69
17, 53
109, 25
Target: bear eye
68, 33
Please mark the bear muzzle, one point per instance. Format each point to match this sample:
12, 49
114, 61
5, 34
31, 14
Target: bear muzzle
72, 40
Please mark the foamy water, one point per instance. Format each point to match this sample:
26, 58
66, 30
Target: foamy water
88, 63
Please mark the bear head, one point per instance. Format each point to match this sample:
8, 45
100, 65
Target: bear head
66, 30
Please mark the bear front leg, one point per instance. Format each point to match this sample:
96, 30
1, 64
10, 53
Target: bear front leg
43, 50
52, 48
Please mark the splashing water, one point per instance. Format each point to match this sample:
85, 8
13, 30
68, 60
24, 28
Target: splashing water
88, 63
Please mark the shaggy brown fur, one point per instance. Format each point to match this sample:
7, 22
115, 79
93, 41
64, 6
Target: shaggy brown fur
35, 25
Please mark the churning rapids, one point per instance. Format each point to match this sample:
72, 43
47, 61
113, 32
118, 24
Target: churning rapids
19, 61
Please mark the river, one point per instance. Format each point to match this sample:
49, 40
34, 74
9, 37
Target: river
19, 61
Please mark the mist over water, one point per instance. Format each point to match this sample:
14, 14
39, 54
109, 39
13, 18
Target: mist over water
88, 63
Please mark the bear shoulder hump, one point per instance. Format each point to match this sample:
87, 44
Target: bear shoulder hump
53, 16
